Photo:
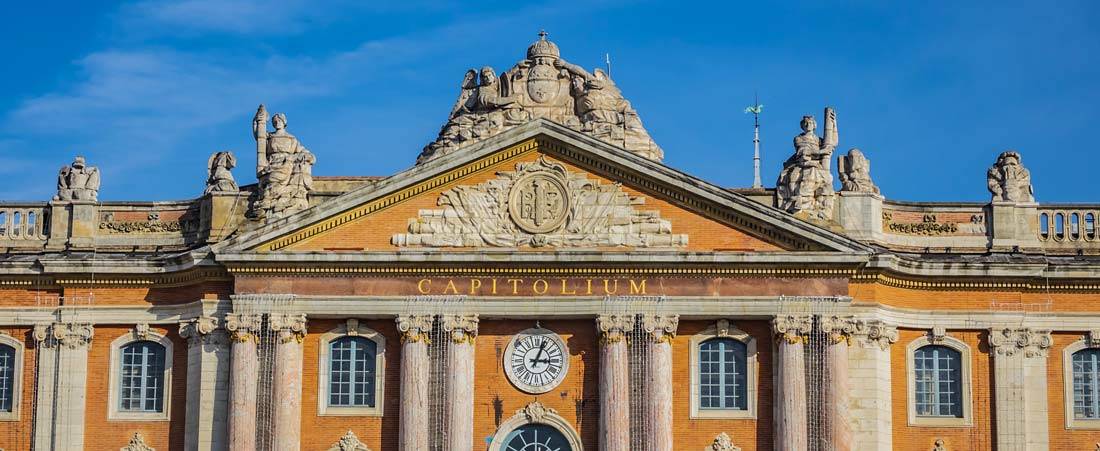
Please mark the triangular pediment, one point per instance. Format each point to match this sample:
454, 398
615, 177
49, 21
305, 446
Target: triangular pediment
541, 186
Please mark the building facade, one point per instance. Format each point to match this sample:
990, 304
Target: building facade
538, 281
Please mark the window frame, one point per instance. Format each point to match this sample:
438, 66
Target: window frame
726, 329
114, 410
324, 359
17, 376
1067, 387
965, 384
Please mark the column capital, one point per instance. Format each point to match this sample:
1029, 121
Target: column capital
613, 328
69, 335
792, 328
243, 327
660, 328
463, 328
289, 326
1008, 341
875, 333
838, 328
414, 328
202, 330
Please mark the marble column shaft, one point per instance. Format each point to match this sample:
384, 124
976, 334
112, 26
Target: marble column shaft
207, 384
460, 387
614, 382
838, 331
790, 388
661, 329
413, 426
243, 378
291, 330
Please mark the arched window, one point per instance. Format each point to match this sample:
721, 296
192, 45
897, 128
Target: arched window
722, 374
7, 378
141, 377
938, 381
1086, 384
352, 363
536, 437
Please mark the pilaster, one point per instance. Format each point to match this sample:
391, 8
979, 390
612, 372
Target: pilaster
869, 369
1020, 387
207, 384
62, 385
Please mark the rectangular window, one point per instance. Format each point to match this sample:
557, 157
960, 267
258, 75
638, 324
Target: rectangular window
142, 377
1086, 385
938, 375
7, 378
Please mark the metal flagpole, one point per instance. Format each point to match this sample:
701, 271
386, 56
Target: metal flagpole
755, 109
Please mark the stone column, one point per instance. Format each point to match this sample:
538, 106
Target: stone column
790, 385
290, 330
414, 381
838, 331
1020, 387
658, 378
243, 377
614, 381
870, 408
62, 385
207, 384
460, 386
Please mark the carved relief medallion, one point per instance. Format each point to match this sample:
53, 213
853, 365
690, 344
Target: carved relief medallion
539, 203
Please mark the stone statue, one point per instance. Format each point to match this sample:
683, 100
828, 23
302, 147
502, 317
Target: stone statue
805, 185
78, 181
284, 168
541, 86
855, 173
1008, 180
219, 178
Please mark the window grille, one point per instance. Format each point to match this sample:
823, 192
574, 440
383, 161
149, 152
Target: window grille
142, 377
722, 374
938, 381
7, 378
1086, 384
352, 372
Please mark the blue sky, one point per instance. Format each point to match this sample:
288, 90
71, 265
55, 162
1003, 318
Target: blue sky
930, 91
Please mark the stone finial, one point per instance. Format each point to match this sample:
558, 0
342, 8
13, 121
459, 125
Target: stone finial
463, 328
349, 442
875, 333
855, 173
1008, 180
243, 326
613, 328
219, 178
137, 443
938, 445
722, 442
1009, 341
414, 328
805, 185
792, 328
284, 169
201, 330
289, 326
541, 86
661, 328
77, 181
72, 335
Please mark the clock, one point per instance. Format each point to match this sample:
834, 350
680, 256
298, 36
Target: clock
536, 360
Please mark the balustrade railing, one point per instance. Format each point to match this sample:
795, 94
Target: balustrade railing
1069, 224
24, 222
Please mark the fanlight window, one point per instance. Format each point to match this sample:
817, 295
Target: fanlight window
7, 378
1086, 384
352, 372
142, 377
938, 373
722, 374
536, 437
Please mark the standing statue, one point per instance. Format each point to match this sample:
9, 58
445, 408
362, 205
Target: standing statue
284, 168
1008, 180
806, 183
78, 182
855, 173
219, 178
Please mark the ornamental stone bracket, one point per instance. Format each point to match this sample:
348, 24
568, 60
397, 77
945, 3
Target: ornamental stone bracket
288, 326
243, 326
722, 442
539, 204
463, 328
792, 328
137, 443
203, 330
1009, 341
1092, 339
414, 328
875, 333
938, 445
660, 328
937, 334
349, 442
69, 335
613, 328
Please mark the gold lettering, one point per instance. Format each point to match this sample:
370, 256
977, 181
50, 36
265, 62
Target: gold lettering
494, 286
637, 289
450, 287
563, 288
535, 286
424, 286
515, 285
607, 290
589, 291
476, 283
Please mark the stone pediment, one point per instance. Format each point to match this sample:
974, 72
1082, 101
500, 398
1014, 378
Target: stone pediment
543, 186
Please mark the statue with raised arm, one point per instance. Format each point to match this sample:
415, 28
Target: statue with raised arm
219, 177
855, 173
1008, 180
805, 185
77, 181
283, 169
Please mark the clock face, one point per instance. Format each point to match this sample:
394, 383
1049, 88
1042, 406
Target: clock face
536, 360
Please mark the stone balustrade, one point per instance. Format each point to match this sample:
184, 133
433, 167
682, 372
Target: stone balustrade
1068, 226
24, 222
